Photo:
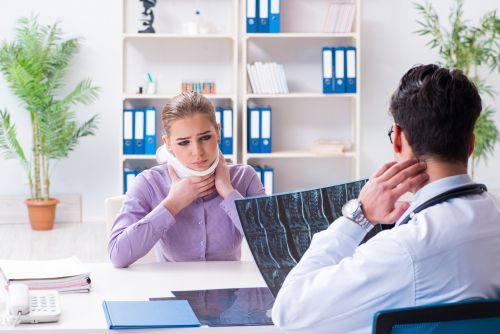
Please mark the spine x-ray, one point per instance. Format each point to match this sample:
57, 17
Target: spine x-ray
279, 228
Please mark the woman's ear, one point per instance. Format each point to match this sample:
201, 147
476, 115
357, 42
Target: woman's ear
167, 142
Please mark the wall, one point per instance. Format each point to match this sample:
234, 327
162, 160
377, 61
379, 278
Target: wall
389, 49
91, 168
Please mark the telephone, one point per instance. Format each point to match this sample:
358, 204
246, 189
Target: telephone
33, 306
163, 155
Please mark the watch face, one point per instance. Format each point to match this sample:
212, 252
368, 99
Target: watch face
350, 207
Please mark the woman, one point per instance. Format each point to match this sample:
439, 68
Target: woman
189, 219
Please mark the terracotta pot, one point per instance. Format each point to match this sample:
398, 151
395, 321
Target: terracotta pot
42, 214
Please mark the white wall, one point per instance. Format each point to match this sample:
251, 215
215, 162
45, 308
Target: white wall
91, 169
389, 49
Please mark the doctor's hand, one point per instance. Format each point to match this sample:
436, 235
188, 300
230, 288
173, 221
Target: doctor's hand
184, 191
222, 178
379, 195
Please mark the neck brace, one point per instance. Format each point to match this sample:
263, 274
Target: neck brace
164, 156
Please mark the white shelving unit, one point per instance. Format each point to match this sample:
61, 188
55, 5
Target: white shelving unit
172, 57
300, 117
298, 48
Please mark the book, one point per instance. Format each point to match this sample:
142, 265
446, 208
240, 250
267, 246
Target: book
326, 147
149, 314
340, 17
63, 275
267, 78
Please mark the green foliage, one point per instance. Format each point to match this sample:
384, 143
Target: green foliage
35, 65
485, 132
467, 47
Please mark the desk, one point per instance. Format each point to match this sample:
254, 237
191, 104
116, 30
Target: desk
82, 313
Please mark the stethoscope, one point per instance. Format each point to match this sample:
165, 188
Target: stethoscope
470, 189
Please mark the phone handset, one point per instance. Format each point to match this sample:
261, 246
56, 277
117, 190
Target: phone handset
18, 299
32, 306
163, 156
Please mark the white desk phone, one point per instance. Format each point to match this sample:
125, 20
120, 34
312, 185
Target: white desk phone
32, 306
163, 156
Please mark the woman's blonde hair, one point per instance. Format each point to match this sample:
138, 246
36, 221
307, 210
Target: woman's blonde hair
185, 105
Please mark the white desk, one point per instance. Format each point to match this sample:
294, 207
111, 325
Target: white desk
82, 313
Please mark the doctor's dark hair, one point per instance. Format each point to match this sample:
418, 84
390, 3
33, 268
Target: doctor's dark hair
184, 105
436, 109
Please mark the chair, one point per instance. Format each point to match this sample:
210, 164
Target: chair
479, 316
113, 206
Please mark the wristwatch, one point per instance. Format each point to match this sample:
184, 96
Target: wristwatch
352, 210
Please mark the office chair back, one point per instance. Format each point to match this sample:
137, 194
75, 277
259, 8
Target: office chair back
480, 316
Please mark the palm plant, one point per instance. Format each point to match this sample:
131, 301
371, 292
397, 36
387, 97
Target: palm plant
467, 48
34, 66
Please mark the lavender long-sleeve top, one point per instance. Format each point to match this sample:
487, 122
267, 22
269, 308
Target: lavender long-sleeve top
207, 229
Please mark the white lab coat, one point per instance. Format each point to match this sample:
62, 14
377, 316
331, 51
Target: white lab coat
446, 253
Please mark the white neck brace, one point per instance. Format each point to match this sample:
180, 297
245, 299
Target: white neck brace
163, 156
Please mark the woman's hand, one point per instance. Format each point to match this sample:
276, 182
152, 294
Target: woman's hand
222, 178
184, 191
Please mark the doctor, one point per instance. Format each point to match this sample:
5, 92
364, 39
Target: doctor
446, 252
185, 207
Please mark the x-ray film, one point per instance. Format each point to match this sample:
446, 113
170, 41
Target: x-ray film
279, 228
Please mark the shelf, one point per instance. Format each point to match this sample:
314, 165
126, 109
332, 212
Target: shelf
301, 35
153, 157
169, 96
178, 36
301, 96
298, 154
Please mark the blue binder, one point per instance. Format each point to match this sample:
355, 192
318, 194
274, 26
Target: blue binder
128, 131
263, 21
149, 314
268, 179
265, 130
138, 141
327, 56
218, 118
253, 130
252, 16
339, 72
227, 132
350, 65
274, 16
150, 131
128, 178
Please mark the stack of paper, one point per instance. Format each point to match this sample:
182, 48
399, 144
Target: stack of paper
328, 147
64, 275
267, 78
340, 17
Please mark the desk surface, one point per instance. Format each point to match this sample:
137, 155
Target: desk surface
82, 313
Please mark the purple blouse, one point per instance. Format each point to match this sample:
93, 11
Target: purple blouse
207, 229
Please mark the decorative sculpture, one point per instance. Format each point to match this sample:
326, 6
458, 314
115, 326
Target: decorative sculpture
148, 16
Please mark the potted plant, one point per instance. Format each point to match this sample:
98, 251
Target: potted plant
34, 66
466, 47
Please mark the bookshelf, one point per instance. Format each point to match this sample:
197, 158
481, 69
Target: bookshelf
172, 57
305, 113
299, 118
